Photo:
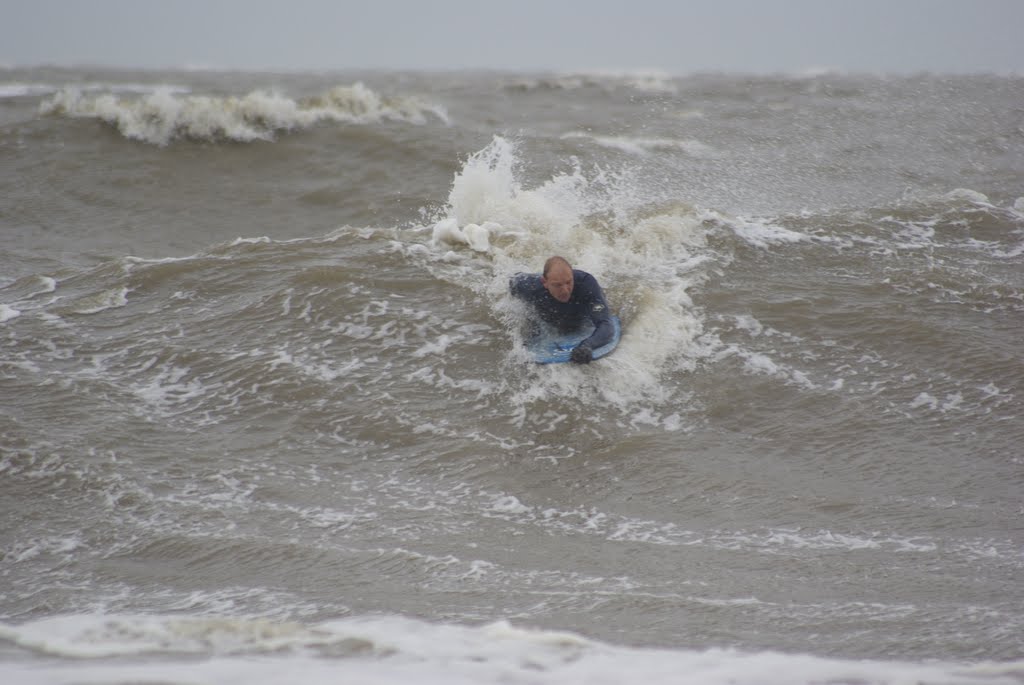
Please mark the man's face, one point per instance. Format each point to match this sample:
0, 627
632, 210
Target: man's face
559, 283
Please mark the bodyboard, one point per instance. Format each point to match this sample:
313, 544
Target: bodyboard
549, 346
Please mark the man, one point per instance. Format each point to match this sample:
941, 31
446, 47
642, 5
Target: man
565, 298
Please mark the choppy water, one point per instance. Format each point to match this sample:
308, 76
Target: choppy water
264, 415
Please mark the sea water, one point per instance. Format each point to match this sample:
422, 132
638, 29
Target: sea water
264, 415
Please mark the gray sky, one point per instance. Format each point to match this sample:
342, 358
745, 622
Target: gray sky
677, 36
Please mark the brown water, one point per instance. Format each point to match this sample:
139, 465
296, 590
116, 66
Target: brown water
261, 390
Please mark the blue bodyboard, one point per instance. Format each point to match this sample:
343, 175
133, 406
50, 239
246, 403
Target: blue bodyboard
551, 347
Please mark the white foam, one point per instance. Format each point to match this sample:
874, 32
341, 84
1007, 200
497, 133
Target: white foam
8, 312
757, 232
653, 81
136, 88
477, 237
171, 386
108, 299
388, 650
19, 90
642, 146
952, 401
760, 363
776, 539
439, 346
49, 285
509, 504
24, 365
967, 195
992, 390
256, 240
749, 324
326, 371
25, 550
1012, 253
645, 266
166, 114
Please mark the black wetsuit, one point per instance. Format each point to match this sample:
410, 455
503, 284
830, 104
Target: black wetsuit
586, 302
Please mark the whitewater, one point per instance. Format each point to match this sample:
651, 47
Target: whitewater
265, 414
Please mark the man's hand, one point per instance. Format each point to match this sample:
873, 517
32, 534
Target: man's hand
581, 354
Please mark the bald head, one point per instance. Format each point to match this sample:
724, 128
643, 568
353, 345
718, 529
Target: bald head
557, 278
556, 261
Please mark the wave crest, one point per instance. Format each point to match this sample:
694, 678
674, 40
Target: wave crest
165, 115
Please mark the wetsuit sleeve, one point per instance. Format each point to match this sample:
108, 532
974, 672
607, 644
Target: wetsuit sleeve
519, 286
600, 315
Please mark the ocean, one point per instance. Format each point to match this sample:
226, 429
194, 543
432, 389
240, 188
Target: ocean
265, 415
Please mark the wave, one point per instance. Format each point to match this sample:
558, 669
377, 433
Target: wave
647, 260
395, 649
166, 114
8, 312
644, 145
20, 89
644, 81
655, 260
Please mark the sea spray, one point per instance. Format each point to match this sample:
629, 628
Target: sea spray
495, 226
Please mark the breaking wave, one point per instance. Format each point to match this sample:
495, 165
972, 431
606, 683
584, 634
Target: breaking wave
165, 115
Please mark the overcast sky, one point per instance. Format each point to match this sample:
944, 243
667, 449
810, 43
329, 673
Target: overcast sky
677, 36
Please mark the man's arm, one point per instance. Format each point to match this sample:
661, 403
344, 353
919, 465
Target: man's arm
604, 331
600, 315
519, 285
